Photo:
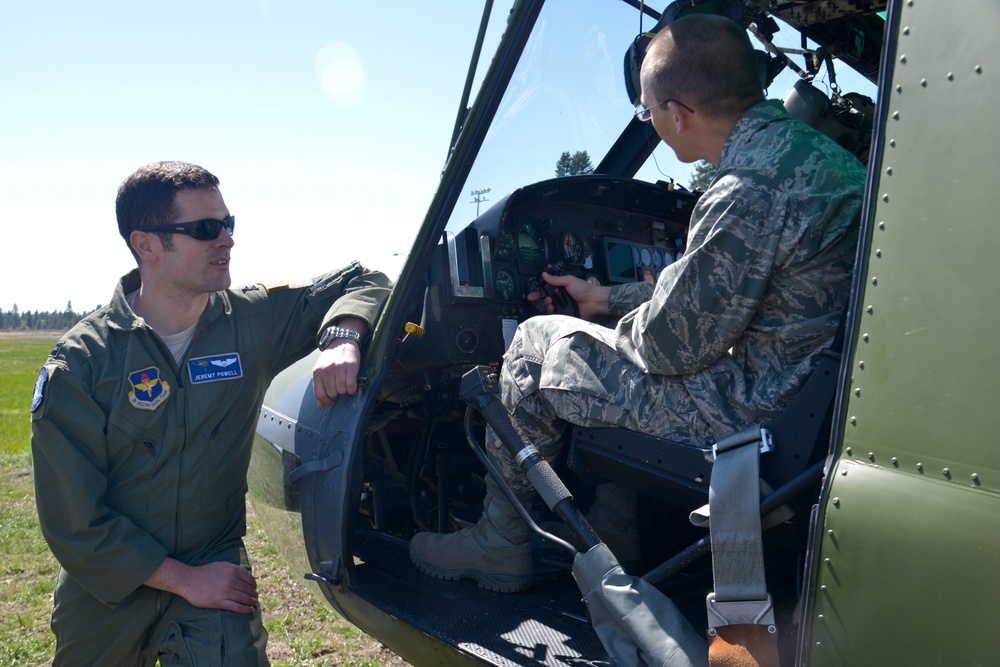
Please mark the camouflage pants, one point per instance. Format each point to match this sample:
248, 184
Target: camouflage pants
561, 370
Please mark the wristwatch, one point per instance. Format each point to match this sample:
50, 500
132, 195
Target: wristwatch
333, 333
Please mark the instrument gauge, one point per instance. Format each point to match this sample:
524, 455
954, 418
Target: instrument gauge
530, 250
657, 258
573, 249
505, 245
534, 285
646, 256
506, 286
635, 255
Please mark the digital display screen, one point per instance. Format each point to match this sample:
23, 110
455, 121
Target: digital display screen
621, 268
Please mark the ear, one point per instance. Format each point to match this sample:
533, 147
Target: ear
680, 116
145, 244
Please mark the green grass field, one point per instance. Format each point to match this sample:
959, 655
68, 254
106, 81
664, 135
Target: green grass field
303, 631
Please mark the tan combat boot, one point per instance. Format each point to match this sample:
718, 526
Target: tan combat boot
494, 551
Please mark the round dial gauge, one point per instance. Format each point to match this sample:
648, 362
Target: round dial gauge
647, 257
505, 245
657, 258
530, 250
506, 285
635, 255
573, 249
534, 285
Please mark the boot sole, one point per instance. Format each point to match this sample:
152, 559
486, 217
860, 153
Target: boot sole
498, 583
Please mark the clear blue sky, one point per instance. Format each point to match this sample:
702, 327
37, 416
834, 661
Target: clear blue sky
327, 122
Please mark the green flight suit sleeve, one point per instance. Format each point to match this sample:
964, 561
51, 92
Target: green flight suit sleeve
703, 302
102, 550
307, 310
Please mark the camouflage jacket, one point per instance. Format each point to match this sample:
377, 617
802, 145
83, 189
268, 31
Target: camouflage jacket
761, 287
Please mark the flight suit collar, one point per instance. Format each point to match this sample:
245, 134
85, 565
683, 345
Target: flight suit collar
122, 317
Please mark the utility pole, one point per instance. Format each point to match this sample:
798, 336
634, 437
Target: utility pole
479, 196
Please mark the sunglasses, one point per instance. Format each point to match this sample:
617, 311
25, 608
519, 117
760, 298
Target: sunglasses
203, 230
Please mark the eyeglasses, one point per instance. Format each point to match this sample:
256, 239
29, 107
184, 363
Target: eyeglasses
645, 113
203, 230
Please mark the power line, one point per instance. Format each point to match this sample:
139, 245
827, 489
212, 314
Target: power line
478, 197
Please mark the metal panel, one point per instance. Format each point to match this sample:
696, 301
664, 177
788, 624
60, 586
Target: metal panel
910, 570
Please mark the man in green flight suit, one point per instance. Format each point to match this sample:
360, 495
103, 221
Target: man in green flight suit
142, 423
729, 333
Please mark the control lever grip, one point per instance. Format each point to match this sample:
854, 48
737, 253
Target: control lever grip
563, 303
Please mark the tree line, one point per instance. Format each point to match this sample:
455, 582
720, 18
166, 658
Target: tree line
40, 320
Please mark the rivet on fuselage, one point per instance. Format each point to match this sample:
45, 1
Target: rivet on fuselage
979, 69
923, 83
920, 467
857, 391
864, 337
902, 59
836, 503
871, 456
849, 451
975, 479
895, 462
861, 364
947, 473
906, 30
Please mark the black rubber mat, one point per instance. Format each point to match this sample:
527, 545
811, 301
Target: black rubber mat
546, 625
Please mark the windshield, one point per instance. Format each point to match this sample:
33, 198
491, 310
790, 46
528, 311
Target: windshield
568, 95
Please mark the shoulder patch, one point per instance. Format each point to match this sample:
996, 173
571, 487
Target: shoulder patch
149, 390
39, 394
214, 368
250, 288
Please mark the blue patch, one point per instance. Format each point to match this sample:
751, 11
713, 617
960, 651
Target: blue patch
36, 398
149, 391
214, 368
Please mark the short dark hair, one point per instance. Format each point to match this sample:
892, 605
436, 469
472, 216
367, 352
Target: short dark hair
709, 64
146, 197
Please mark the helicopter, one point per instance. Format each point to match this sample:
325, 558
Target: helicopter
886, 458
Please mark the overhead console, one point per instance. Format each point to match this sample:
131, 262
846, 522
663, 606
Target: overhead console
605, 230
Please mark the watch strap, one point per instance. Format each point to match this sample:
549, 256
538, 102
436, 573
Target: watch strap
333, 333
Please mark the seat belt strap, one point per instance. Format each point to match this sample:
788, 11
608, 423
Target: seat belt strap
740, 598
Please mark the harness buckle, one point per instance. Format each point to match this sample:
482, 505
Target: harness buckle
740, 612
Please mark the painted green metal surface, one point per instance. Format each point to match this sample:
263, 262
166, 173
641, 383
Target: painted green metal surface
911, 569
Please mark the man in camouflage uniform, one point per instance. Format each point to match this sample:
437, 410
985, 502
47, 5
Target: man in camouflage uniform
729, 332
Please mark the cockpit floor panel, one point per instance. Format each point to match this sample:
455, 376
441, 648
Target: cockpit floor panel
546, 625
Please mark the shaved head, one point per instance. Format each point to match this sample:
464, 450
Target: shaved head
705, 61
